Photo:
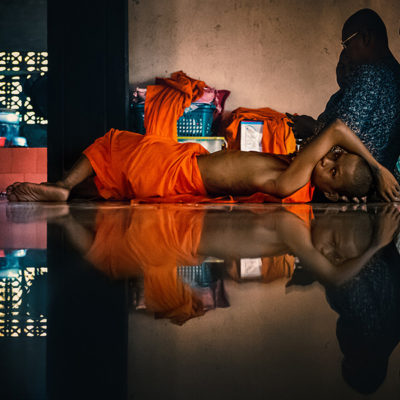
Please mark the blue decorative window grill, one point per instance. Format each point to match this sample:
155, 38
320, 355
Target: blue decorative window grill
15, 68
18, 317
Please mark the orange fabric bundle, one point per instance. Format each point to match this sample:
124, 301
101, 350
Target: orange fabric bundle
166, 102
277, 138
129, 165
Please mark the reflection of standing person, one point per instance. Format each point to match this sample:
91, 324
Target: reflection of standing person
369, 97
368, 301
368, 328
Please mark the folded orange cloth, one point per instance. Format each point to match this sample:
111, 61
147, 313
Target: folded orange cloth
166, 102
129, 165
277, 138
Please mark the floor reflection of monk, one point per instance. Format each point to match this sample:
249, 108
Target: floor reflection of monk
127, 243
151, 242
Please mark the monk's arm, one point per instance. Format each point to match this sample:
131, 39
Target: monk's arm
337, 134
81, 170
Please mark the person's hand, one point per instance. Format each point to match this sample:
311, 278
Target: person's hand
387, 225
303, 126
387, 185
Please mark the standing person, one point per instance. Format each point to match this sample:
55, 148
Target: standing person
369, 97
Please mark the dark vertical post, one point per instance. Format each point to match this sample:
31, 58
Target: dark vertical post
88, 76
88, 94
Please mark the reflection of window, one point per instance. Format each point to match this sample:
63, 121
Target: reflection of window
22, 302
15, 68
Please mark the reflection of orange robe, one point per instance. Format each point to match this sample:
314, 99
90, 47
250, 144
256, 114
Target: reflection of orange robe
129, 165
151, 242
278, 137
166, 102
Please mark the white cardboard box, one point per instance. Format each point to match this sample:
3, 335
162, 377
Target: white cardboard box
251, 133
210, 143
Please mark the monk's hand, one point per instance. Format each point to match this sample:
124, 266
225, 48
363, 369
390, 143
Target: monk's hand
387, 186
303, 126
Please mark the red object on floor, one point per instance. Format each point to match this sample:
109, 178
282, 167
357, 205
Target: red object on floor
22, 165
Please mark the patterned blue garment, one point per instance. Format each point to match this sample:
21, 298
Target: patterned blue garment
369, 104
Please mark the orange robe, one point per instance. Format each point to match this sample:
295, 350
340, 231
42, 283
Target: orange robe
129, 165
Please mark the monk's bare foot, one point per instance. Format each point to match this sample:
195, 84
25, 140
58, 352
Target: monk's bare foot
27, 191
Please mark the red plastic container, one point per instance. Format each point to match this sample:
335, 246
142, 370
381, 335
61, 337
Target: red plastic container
2, 141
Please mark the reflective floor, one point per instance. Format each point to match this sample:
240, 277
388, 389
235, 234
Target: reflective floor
108, 300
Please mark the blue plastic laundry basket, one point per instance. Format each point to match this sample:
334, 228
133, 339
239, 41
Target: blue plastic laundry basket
196, 120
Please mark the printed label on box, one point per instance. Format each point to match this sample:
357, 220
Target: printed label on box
251, 135
250, 267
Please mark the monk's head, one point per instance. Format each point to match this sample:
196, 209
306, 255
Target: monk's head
342, 174
364, 38
341, 236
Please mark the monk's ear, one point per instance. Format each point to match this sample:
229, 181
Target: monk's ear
333, 196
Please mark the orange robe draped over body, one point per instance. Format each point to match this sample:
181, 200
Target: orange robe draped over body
154, 167
129, 165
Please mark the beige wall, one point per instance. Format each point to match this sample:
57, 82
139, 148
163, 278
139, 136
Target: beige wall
269, 53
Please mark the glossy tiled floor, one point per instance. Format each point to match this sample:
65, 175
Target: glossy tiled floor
105, 300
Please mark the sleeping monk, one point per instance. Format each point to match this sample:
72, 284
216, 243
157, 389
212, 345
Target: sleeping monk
124, 165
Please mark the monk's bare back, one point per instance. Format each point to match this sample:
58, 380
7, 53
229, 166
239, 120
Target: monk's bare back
239, 172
